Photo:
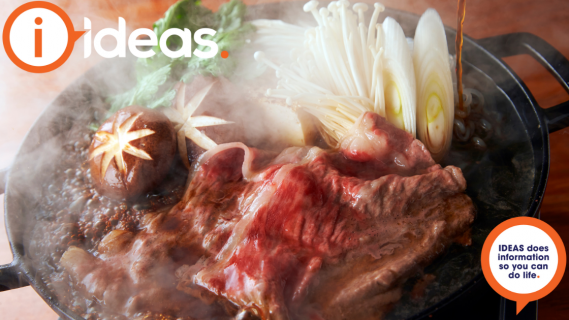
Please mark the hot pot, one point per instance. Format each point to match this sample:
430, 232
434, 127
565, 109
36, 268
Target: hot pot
506, 180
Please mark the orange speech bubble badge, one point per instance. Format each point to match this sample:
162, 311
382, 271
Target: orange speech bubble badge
515, 236
72, 36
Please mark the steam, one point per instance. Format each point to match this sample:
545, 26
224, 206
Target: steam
52, 179
59, 198
23, 96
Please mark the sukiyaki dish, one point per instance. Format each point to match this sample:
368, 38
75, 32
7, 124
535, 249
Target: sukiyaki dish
315, 192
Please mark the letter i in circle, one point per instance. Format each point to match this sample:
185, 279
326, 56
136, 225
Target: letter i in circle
38, 38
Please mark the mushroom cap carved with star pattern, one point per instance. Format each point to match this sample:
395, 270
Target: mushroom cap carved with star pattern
132, 152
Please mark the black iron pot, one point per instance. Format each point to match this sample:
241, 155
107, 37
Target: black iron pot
507, 180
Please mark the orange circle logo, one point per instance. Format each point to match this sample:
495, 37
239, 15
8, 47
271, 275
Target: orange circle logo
523, 259
39, 37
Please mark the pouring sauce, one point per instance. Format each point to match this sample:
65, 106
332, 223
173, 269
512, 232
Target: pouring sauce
461, 11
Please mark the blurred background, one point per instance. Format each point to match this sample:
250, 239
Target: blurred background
24, 95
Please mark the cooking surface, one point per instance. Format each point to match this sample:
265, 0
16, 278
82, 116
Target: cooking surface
23, 96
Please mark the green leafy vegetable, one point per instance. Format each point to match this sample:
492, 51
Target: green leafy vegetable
143, 92
165, 100
157, 75
183, 14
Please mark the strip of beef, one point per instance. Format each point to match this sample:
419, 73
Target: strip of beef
308, 234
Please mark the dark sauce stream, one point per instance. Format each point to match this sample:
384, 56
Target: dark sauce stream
461, 11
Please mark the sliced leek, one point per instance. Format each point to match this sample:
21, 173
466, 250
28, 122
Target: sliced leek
398, 78
435, 102
347, 67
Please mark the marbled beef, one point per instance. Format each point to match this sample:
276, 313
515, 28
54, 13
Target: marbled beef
306, 234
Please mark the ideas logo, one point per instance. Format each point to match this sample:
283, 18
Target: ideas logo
39, 37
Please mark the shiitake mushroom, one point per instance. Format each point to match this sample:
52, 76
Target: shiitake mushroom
132, 152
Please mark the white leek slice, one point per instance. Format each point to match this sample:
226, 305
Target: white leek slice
435, 102
398, 78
